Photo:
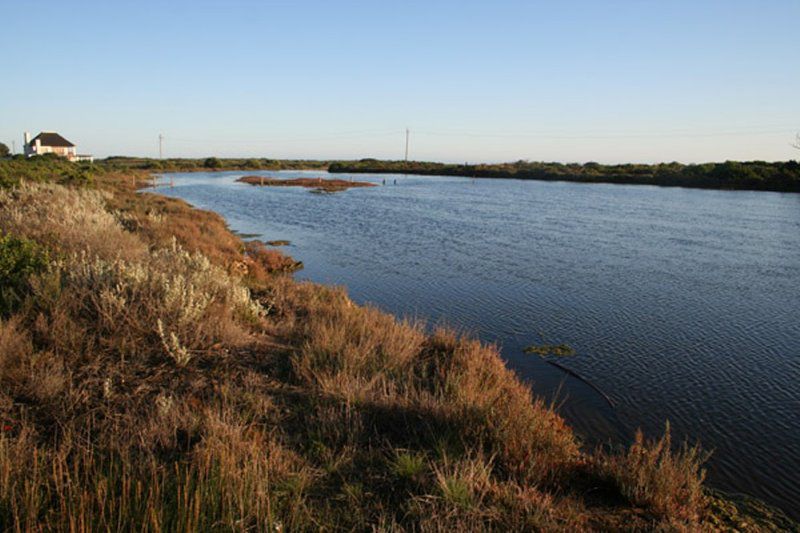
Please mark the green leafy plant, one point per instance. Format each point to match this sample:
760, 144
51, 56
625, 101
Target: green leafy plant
19, 260
408, 465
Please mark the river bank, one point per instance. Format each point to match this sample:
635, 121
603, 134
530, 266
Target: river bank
152, 346
670, 317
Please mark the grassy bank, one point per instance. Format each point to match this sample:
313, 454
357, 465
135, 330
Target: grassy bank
156, 374
751, 175
315, 184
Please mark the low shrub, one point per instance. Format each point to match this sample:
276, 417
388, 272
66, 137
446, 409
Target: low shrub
67, 220
19, 260
172, 302
667, 482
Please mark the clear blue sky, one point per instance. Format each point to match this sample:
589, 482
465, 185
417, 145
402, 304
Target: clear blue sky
474, 81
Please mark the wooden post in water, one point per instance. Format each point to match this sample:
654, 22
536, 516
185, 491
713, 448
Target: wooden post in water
262, 180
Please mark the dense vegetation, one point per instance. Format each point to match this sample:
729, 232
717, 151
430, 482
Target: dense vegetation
751, 175
211, 163
158, 374
49, 167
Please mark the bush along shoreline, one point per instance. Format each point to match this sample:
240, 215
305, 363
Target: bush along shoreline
750, 175
158, 375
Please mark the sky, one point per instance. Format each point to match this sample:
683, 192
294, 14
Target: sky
570, 81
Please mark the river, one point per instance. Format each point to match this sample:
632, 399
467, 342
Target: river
682, 305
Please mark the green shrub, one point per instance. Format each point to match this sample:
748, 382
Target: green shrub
19, 260
212, 162
76, 176
408, 465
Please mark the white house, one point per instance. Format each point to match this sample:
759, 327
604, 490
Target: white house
50, 142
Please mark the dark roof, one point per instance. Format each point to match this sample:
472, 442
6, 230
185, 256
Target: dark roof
48, 138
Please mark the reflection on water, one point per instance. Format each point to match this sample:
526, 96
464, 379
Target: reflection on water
681, 304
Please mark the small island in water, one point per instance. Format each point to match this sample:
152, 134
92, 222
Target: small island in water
318, 185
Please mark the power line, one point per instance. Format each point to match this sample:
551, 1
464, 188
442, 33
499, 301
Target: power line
609, 135
542, 134
336, 136
554, 135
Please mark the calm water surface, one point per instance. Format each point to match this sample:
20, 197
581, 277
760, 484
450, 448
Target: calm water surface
682, 304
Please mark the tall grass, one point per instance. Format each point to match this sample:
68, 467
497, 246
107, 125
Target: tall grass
66, 220
668, 482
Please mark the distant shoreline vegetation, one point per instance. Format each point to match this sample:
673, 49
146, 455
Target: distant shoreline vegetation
750, 175
781, 176
179, 164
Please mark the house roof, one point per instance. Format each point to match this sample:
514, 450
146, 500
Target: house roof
49, 138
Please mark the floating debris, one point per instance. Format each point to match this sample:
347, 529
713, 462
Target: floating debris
559, 350
577, 376
565, 350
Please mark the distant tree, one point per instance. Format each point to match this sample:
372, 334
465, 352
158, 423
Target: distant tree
212, 162
797, 141
3, 150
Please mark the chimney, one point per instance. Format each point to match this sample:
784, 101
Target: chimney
27, 137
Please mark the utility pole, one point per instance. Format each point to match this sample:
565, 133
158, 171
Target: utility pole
160, 146
406, 145
13, 147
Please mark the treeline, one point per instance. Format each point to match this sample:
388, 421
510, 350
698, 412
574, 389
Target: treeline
54, 168
208, 163
750, 175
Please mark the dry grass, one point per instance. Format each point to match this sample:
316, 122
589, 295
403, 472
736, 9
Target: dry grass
229, 482
666, 482
316, 184
159, 220
532, 444
177, 301
260, 263
66, 220
151, 390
